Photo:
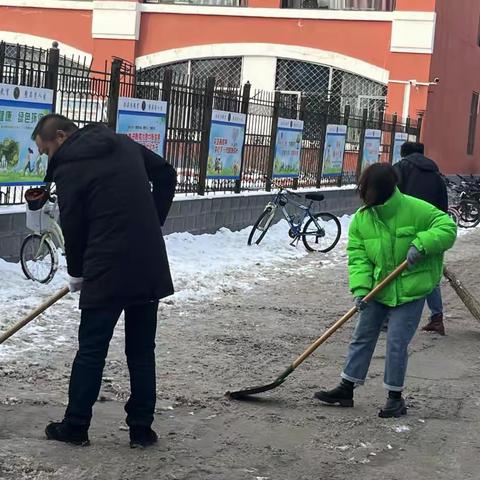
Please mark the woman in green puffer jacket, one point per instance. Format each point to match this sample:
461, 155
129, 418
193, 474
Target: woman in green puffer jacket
390, 228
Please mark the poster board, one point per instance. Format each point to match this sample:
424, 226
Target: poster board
20, 110
227, 136
288, 148
144, 121
334, 150
400, 139
371, 147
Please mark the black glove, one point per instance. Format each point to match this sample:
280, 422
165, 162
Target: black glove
413, 256
360, 304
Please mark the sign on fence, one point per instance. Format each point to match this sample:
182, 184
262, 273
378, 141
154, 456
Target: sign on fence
20, 110
400, 139
334, 150
227, 135
371, 147
143, 121
288, 147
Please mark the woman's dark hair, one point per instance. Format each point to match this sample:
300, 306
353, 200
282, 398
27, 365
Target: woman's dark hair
377, 184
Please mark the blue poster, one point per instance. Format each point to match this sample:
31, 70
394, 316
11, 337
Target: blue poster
400, 139
143, 121
334, 150
227, 135
20, 110
371, 147
288, 147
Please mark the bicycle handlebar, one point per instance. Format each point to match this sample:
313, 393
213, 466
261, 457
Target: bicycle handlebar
282, 188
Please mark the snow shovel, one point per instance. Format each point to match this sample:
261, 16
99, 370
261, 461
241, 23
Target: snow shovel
465, 296
241, 394
34, 314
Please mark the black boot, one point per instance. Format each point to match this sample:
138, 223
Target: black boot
395, 406
142, 437
341, 395
68, 433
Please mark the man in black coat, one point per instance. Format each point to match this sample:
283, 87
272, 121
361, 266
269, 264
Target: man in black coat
420, 177
111, 219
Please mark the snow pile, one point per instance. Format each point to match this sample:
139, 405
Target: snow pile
201, 265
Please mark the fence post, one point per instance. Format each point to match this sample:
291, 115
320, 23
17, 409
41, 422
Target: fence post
166, 97
114, 92
243, 109
273, 140
51, 77
419, 127
362, 143
3, 47
323, 137
206, 127
392, 137
346, 121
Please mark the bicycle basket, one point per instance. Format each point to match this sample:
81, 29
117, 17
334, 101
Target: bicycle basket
36, 198
42, 220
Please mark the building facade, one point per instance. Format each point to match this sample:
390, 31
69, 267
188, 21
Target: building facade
410, 57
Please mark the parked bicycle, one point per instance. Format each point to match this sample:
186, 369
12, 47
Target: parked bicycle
464, 200
39, 250
320, 232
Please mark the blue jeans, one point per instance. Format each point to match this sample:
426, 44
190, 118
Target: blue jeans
403, 323
434, 301
94, 335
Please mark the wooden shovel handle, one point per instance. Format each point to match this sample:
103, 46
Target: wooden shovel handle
34, 314
339, 323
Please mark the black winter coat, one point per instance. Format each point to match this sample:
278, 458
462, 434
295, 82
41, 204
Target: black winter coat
420, 178
111, 218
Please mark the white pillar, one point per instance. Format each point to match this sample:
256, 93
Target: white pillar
406, 99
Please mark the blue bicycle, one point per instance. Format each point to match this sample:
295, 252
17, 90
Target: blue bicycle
320, 232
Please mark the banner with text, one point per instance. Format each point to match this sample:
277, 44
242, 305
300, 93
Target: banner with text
400, 139
334, 150
143, 121
371, 148
288, 147
20, 110
227, 135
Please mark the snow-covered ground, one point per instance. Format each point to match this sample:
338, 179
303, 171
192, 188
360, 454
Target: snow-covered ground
201, 265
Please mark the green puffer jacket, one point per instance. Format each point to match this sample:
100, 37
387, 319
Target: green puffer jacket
379, 239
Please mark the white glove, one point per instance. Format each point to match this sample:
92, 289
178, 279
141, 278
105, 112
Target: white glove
75, 283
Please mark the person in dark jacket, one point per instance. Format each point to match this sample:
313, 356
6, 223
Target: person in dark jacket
111, 219
420, 177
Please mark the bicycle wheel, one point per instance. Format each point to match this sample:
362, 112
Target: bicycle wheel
39, 259
469, 213
321, 233
454, 214
261, 226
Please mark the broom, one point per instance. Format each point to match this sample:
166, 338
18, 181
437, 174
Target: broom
465, 296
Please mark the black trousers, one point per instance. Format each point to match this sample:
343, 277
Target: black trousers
94, 335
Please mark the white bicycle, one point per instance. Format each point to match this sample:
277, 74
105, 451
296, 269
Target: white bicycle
39, 250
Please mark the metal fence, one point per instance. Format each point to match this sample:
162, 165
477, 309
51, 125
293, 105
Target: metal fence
87, 95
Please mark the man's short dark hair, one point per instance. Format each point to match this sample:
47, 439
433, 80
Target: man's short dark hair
408, 148
377, 184
48, 126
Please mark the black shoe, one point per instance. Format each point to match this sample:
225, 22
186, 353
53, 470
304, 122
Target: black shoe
68, 433
394, 408
142, 437
341, 395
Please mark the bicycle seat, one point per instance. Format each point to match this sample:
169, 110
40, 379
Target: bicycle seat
316, 197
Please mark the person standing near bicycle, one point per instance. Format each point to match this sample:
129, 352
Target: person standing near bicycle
116, 257
420, 177
390, 228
